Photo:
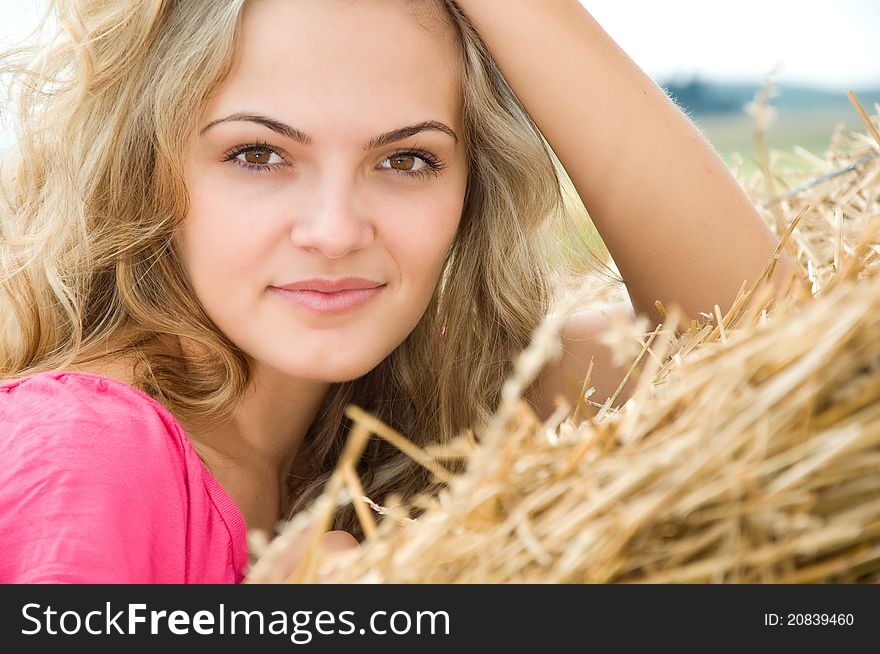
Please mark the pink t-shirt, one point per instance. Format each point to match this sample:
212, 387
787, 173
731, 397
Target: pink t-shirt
100, 484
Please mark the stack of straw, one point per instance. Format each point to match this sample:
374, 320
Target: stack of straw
749, 451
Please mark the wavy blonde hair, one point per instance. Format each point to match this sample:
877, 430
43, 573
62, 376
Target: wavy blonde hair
93, 191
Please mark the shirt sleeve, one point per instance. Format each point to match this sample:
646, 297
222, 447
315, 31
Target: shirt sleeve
93, 487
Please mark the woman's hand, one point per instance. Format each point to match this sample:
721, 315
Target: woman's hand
289, 564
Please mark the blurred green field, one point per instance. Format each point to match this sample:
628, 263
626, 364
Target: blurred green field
811, 130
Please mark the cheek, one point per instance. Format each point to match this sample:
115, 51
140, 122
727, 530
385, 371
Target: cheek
222, 236
425, 240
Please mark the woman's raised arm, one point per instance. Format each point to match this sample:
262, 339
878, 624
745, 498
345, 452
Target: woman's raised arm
673, 217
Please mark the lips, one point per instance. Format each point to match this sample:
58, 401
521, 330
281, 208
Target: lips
325, 296
332, 285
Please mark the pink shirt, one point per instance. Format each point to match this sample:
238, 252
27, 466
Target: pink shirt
100, 484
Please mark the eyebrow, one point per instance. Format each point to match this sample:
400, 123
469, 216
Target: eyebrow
296, 135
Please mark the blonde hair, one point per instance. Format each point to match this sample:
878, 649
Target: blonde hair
93, 191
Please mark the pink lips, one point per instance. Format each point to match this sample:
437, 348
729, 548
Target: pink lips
327, 296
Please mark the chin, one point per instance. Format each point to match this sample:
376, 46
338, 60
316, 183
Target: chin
333, 360
331, 372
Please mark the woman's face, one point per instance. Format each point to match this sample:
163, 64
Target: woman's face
291, 179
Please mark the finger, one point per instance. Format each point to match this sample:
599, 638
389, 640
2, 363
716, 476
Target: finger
336, 545
292, 554
274, 568
331, 545
338, 541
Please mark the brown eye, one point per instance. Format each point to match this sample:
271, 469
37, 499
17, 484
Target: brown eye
402, 162
257, 156
412, 163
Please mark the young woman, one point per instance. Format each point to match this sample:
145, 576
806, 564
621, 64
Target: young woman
223, 222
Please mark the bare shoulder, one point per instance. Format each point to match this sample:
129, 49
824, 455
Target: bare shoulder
580, 343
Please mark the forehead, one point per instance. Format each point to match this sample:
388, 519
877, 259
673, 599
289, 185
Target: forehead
344, 64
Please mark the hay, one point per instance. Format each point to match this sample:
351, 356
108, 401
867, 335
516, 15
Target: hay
749, 451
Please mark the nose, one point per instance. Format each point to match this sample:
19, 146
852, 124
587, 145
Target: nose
334, 224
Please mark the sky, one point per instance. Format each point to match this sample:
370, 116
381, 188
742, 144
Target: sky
827, 43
